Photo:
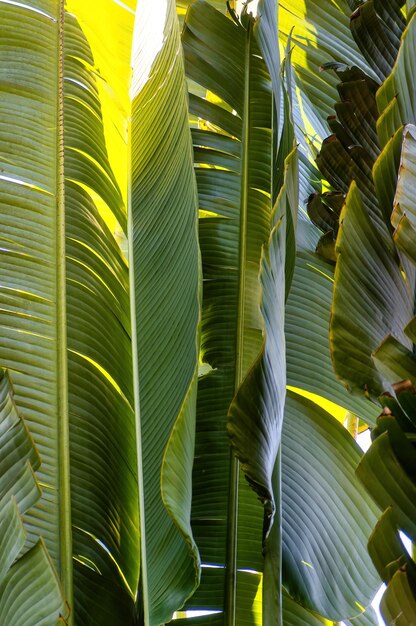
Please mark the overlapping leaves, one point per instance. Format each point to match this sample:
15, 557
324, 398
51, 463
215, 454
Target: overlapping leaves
219, 146
374, 351
388, 472
30, 591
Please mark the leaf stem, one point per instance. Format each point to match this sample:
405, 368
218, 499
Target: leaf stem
65, 528
143, 592
232, 527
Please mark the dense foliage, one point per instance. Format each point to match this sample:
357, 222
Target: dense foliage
207, 290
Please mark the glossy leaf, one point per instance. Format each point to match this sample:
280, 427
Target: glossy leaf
28, 205
218, 193
165, 301
385, 172
98, 339
65, 287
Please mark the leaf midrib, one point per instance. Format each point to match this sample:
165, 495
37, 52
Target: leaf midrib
65, 530
232, 527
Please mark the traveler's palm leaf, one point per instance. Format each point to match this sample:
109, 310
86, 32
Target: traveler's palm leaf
64, 304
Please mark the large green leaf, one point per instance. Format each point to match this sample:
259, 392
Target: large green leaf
32, 343
99, 350
387, 470
64, 299
385, 172
352, 155
237, 204
164, 283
